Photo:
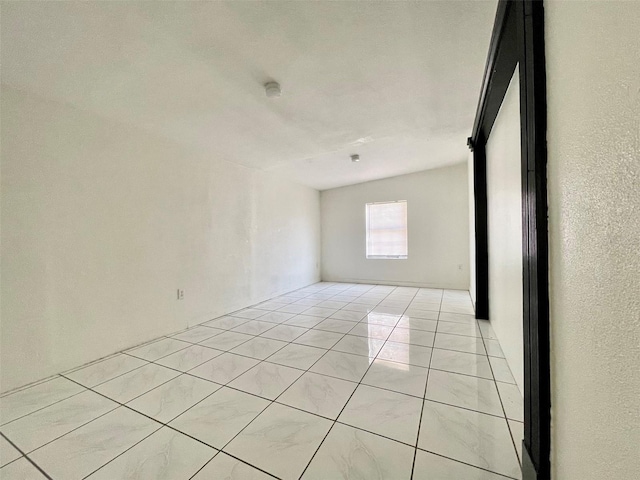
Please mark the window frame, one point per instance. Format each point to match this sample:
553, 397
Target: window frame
367, 230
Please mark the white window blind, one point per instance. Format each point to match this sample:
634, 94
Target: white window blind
387, 229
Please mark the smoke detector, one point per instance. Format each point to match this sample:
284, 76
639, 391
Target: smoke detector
355, 158
272, 89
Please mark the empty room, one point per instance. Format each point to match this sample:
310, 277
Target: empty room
357, 240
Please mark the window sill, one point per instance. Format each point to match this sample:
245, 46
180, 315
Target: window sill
386, 257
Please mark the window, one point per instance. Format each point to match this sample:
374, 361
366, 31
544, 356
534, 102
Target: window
387, 229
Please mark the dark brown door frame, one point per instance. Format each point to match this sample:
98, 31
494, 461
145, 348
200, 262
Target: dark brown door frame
518, 40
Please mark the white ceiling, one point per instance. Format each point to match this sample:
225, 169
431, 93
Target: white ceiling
396, 82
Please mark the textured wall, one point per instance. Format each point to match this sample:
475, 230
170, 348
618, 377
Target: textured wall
504, 223
438, 223
102, 222
593, 75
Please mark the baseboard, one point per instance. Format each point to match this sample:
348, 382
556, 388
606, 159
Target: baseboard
394, 283
192, 322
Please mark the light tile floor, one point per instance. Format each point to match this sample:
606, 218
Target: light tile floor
332, 381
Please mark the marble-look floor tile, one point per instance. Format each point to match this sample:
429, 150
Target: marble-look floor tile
349, 453
344, 298
227, 340
320, 312
406, 353
334, 304
501, 370
165, 455
276, 317
30, 399
368, 347
468, 329
429, 312
393, 415
297, 356
377, 318
460, 362
517, 434
226, 322
224, 467
161, 348
359, 307
471, 437
453, 308
369, 303
427, 304
310, 302
457, 318
417, 323
389, 310
305, 321
318, 394
379, 332
493, 348
399, 377
130, 385
87, 448
334, 325
259, 347
189, 358
253, 327
412, 336
434, 467
286, 333
8, 453
197, 334
342, 365
319, 338
43, 426
224, 368
266, 380
460, 343
293, 308
464, 391
219, 417
348, 315
281, 440
169, 400
250, 313
105, 370
21, 469
512, 401
395, 304
487, 330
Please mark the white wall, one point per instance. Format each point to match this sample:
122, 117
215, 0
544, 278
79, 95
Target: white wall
102, 222
593, 85
472, 231
438, 223
504, 221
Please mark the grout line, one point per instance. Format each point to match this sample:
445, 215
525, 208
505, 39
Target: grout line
290, 342
272, 402
24, 455
506, 419
352, 393
162, 424
424, 396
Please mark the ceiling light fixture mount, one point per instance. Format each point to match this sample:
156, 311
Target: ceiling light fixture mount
272, 89
355, 158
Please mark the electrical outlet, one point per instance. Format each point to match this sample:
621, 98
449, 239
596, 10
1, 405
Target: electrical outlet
180, 294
